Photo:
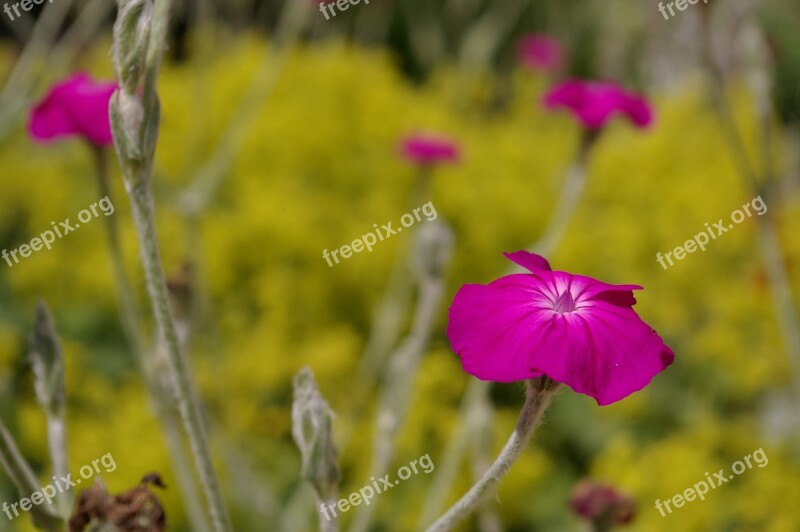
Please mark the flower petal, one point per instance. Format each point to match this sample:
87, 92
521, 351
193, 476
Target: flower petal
604, 351
489, 327
529, 261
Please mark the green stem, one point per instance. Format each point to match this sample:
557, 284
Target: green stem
143, 213
25, 481
394, 402
129, 313
132, 330
539, 394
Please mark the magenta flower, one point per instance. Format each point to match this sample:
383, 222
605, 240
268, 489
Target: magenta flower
571, 328
594, 103
427, 149
541, 52
76, 106
602, 504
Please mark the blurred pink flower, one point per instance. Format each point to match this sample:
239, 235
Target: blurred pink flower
602, 503
75, 106
541, 52
427, 149
594, 102
574, 329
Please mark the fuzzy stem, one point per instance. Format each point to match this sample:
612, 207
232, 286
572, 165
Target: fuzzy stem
143, 213
474, 398
539, 394
132, 330
25, 481
128, 309
394, 402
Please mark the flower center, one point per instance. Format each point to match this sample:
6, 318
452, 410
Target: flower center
564, 303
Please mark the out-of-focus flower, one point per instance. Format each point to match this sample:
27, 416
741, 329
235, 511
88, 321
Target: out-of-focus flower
595, 102
77, 106
601, 503
574, 329
541, 52
428, 149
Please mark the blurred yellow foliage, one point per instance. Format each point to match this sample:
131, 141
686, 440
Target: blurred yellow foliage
318, 167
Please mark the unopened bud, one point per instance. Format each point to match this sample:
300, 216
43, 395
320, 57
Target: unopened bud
433, 249
47, 361
131, 36
312, 421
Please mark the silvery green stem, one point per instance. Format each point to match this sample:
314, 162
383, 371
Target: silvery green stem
25, 481
139, 40
47, 362
160, 396
389, 315
432, 253
142, 205
769, 243
457, 444
196, 198
539, 394
571, 192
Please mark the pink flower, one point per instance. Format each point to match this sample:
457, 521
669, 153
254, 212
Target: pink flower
427, 149
541, 52
594, 103
76, 106
602, 503
571, 328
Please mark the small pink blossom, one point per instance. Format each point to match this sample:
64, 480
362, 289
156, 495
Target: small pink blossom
541, 52
594, 103
427, 149
574, 329
77, 106
602, 503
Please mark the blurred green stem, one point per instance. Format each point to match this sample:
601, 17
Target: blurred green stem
196, 198
47, 362
132, 329
129, 313
768, 238
474, 399
539, 394
388, 316
432, 252
25, 481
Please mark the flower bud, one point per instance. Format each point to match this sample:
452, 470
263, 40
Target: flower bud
602, 504
433, 249
131, 35
47, 362
312, 430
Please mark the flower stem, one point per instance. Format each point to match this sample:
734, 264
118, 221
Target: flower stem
539, 394
143, 213
132, 330
25, 481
